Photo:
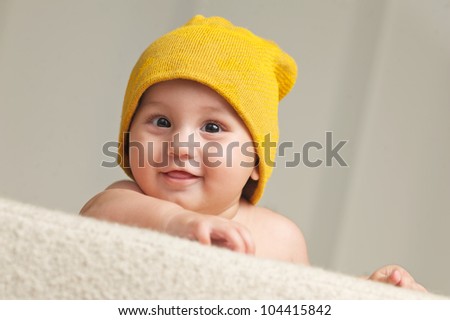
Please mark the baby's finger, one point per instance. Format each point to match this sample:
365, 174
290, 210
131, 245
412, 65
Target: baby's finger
230, 237
202, 234
387, 274
237, 242
379, 276
408, 282
394, 278
419, 287
412, 286
248, 240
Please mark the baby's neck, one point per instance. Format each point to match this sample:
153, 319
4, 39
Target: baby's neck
235, 210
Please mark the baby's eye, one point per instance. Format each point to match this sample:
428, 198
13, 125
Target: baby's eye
161, 122
211, 127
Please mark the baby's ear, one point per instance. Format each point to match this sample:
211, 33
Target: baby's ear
255, 173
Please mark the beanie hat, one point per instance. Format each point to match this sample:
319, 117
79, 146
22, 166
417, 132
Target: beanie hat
251, 73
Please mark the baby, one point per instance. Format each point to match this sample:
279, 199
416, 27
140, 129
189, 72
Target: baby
199, 126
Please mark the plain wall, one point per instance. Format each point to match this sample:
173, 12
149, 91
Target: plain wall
374, 73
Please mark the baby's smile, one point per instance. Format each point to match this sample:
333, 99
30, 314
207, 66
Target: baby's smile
179, 178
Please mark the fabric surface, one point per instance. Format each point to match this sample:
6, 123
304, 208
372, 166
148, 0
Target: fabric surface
46, 254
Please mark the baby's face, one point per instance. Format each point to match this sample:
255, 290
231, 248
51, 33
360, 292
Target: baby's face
188, 146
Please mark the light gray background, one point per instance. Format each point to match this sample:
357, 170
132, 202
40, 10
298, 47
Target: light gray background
375, 73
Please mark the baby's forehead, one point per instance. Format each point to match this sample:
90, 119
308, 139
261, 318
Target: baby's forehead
182, 90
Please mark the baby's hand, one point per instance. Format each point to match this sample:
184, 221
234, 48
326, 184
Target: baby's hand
212, 230
396, 276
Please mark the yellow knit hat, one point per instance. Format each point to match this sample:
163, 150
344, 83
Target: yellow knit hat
251, 73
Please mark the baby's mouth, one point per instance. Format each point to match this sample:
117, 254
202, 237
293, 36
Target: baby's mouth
179, 179
181, 175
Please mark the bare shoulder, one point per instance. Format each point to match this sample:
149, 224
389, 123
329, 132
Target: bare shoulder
125, 184
118, 185
279, 236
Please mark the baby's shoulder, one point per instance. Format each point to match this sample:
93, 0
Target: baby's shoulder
125, 184
279, 235
276, 222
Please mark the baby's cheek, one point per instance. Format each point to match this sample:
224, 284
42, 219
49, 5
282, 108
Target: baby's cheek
231, 158
246, 155
213, 155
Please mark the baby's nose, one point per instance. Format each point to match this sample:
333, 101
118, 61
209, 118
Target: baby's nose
183, 145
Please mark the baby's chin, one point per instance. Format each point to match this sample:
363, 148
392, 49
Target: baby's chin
199, 207
213, 208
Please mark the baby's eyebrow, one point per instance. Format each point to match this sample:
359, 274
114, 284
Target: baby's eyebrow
213, 107
152, 104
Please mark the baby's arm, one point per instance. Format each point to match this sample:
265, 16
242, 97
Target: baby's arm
397, 276
124, 202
